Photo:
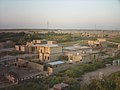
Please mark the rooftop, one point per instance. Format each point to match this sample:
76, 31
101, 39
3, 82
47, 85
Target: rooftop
56, 63
46, 45
77, 47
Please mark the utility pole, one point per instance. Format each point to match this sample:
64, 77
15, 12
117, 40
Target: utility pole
47, 25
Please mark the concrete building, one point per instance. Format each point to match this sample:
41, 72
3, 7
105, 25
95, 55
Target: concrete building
100, 42
118, 46
44, 51
56, 66
22, 70
112, 52
81, 54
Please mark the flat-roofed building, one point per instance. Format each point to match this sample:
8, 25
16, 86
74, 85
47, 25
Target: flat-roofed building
44, 51
56, 66
101, 39
84, 54
100, 42
48, 52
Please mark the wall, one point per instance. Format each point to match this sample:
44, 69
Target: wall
86, 59
1, 46
54, 57
35, 66
55, 49
17, 47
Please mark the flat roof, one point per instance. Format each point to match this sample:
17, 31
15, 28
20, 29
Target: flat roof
46, 45
56, 63
77, 47
25, 72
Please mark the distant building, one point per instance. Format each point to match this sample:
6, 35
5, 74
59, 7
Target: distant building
118, 46
100, 42
112, 52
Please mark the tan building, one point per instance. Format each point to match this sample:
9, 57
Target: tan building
100, 42
118, 46
82, 54
44, 51
101, 39
22, 48
83, 58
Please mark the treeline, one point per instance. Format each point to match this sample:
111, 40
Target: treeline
22, 38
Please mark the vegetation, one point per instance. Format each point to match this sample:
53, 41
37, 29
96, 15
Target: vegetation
111, 82
77, 71
22, 38
74, 84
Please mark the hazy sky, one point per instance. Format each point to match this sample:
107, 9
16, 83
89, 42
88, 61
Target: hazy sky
60, 14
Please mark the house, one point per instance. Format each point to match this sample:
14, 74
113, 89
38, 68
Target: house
56, 66
44, 51
100, 42
81, 54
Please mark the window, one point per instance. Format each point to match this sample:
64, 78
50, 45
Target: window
94, 57
71, 58
48, 57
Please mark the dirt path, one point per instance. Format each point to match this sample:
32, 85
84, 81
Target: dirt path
96, 74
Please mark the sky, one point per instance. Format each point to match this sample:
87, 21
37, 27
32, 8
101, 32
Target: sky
60, 14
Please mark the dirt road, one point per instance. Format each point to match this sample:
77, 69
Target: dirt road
96, 74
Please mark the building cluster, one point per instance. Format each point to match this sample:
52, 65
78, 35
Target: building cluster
48, 57
49, 53
82, 54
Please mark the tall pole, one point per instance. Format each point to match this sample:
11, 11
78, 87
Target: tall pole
47, 25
